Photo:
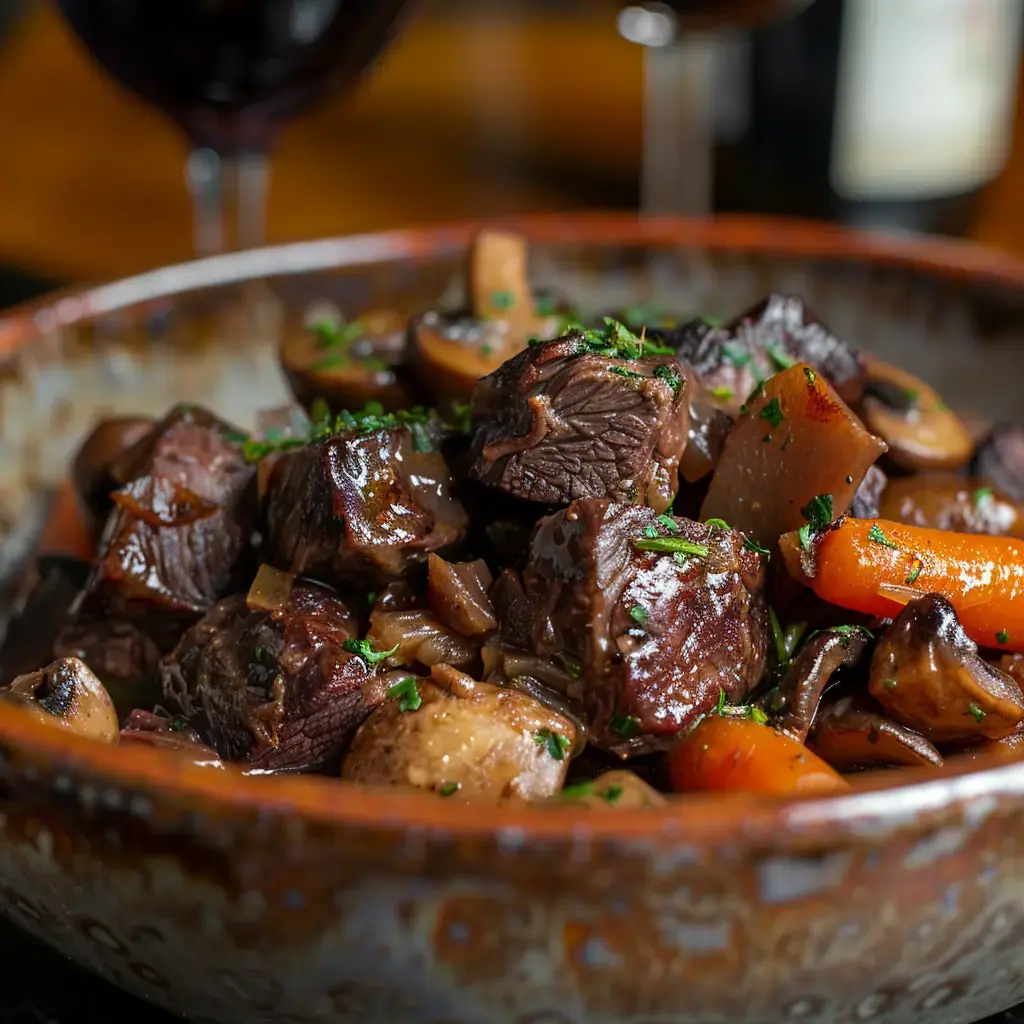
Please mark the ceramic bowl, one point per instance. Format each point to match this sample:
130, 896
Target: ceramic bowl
299, 900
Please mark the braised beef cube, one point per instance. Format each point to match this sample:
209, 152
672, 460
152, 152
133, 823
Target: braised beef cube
563, 420
770, 336
653, 617
462, 739
365, 504
124, 658
146, 728
1000, 459
273, 688
181, 524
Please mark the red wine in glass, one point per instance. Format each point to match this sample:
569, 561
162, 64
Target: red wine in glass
230, 72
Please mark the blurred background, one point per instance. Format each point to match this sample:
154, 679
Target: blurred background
892, 113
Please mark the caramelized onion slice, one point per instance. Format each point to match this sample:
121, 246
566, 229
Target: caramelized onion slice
271, 590
457, 595
420, 638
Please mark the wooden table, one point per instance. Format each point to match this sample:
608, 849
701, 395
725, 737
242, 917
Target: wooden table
477, 114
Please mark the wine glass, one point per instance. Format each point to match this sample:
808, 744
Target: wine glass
679, 70
230, 72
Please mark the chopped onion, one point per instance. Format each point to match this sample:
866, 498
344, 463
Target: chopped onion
271, 590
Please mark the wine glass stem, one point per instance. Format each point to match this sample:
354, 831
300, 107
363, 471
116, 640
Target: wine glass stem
205, 183
676, 175
227, 192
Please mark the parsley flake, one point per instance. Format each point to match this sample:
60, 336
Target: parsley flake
818, 513
557, 745
650, 530
639, 614
502, 300
981, 495
622, 371
890, 684
449, 788
781, 360
717, 524
363, 649
877, 536
915, 571
772, 412
810, 375
626, 726
669, 523
1003, 637
407, 693
673, 545
751, 545
576, 791
611, 794
722, 393
979, 714
669, 376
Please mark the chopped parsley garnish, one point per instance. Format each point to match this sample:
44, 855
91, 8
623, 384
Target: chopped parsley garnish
363, 649
679, 558
253, 451
772, 412
177, 724
722, 393
611, 794
572, 667
639, 614
449, 788
818, 513
739, 357
460, 417
557, 745
576, 791
487, 351
844, 632
877, 536
669, 376
673, 545
1003, 637
334, 334
502, 300
335, 361
626, 726
669, 523
650, 530
781, 360
810, 375
406, 692
766, 438
717, 524
979, 714
751, 545
913, 397
890, 684
915, 571
751, 711
371, 598
616, 341
981, 495
623, 372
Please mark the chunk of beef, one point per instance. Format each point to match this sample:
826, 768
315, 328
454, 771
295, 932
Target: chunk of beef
866, 501
180, 527
365, 504
276, 689
462, 739
145, 728
771, 336
649, 638
562, 421
999, 459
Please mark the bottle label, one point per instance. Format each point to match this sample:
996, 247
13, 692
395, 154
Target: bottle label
926, 97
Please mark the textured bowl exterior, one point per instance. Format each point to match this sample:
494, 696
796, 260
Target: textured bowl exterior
240, 899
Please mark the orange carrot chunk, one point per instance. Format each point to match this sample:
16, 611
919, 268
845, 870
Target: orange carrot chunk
876, 566
723, 753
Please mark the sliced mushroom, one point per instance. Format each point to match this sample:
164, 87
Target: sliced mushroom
457, 595
66, 693
921, 431
450, 352
927, 674
849, 733
612, 791
1000, 459
349, 364
944, 501
800, 690
462, 738
798, 439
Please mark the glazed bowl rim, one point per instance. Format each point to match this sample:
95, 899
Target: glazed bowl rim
884, 806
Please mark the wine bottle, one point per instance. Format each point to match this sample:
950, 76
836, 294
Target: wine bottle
876, 113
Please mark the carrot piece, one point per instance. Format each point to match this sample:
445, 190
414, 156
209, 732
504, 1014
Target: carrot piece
856, 563
66, 531
722, 753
